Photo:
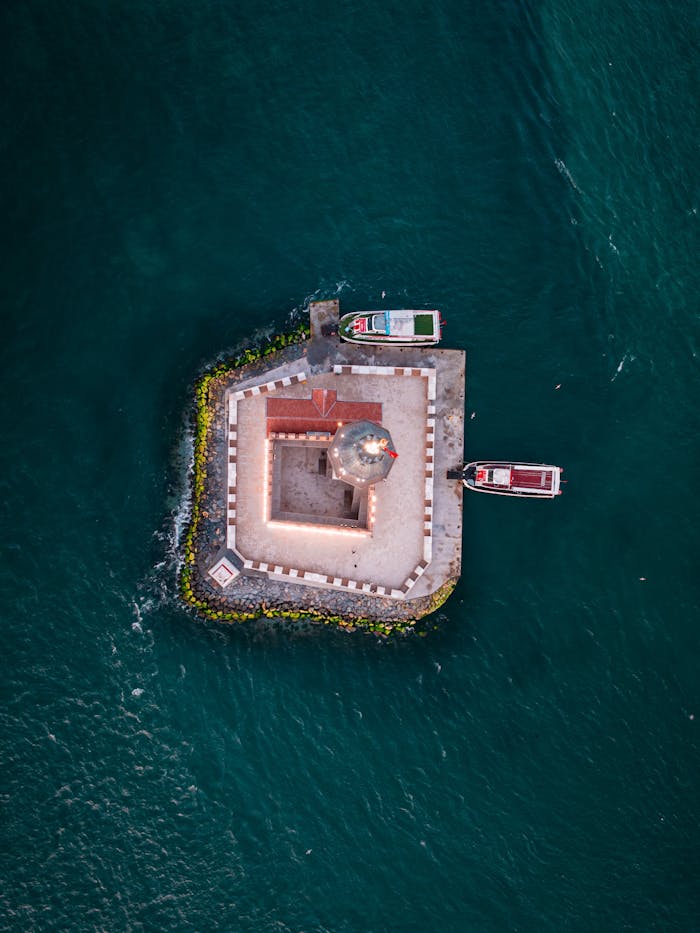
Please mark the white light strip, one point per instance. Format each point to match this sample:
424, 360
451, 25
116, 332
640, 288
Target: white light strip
313, 529
266, 468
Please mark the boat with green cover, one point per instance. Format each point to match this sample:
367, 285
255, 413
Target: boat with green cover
395, 328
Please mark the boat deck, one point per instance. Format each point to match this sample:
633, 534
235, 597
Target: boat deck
538, 480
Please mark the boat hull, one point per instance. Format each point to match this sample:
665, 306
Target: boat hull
524, 480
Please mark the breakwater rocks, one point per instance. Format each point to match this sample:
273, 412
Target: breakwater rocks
253, 595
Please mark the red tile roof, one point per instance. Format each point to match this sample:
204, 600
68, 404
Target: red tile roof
321, 412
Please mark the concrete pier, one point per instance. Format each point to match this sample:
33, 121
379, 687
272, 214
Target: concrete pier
391, 563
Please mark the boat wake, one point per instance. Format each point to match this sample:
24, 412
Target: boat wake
625, 359
565, 173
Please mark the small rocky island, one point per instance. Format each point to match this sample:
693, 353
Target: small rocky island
320, 486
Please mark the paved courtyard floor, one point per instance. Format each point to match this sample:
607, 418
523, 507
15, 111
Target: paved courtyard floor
390, 554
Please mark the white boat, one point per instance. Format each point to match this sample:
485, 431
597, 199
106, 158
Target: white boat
393, 328
536, 480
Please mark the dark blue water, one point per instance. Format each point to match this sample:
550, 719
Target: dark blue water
176, 177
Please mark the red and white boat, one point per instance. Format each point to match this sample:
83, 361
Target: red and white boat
536, 480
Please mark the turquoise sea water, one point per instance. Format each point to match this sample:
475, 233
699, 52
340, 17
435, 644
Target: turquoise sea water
176, 176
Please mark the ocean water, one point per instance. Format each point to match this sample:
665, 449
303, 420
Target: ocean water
178, 176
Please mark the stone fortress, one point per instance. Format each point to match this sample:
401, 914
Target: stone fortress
327, 488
